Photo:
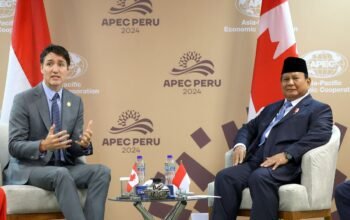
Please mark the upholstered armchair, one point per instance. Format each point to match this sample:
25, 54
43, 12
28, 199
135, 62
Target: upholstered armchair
310, 199
24, 201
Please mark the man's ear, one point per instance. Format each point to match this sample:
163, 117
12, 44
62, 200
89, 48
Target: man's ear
308, 80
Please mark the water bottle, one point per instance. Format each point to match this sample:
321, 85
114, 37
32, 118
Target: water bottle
140, 169
169, 167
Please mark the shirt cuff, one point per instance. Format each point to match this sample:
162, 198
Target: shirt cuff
240, 144
42, 154
87, 150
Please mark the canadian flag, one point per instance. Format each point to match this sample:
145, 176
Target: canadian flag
133, 179
181, 179
276, 42
30, 36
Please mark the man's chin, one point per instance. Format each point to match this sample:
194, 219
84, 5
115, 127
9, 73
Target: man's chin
56, 82
291, 96
56, 85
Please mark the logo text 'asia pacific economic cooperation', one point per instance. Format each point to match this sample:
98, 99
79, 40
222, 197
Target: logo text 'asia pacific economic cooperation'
7, 11
130, 122
324, 67
250, 9
192, 66
128, 14
77, 68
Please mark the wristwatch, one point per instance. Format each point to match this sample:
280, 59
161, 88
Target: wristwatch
288, 156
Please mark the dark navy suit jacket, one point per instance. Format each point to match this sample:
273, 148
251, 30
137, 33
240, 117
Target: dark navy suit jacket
308, 125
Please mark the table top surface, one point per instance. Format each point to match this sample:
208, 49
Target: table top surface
175, 199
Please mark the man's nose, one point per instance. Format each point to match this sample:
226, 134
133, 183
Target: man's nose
290, 82
55, 68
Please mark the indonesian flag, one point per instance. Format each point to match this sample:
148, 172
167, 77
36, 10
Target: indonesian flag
30, 36
133, 179
181, 179
276, 42
3, 209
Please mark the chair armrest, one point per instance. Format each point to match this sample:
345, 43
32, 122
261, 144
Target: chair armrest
228, 163
228, 158
82, 159
318, 171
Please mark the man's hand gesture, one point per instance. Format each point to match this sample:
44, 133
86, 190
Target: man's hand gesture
55, 141
85, 138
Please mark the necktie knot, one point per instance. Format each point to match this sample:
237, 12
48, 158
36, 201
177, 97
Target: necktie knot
287, 104
55, 97
281, 112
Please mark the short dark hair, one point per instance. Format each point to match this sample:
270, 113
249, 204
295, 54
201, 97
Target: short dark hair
56, 49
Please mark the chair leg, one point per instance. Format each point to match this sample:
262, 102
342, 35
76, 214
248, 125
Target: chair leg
288, 215
35, 216
210, 212
328, 217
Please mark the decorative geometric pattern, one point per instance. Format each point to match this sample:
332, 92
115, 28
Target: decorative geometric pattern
230, 131
160, 210
199, 174
201, 205
200, 137
343, 130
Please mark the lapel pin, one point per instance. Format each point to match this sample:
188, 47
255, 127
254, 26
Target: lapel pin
69, 104
296, 110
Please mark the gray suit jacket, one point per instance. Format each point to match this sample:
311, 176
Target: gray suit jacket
30, 123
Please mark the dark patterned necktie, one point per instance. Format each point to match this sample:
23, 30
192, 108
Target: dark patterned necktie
278, 118
56, 119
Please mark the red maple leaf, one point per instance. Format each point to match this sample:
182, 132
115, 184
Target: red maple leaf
132, 177
266, 87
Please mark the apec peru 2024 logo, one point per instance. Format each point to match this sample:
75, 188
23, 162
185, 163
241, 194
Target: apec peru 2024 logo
193, 74
130, 131
130, 16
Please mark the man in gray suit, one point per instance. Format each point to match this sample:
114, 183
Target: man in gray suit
46, 139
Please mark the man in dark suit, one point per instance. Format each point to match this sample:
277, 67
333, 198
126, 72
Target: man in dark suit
269, 148
342, 199
46, 139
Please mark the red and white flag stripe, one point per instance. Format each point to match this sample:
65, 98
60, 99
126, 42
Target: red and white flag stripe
181, 179
3, 209
133, 179
276, 42
30, 36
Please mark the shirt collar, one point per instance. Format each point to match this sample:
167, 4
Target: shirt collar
50, 93
296, 101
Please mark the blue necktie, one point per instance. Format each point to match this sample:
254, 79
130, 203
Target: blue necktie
278, 118
56, 119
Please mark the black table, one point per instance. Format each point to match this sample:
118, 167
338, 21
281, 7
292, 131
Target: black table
180, 200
